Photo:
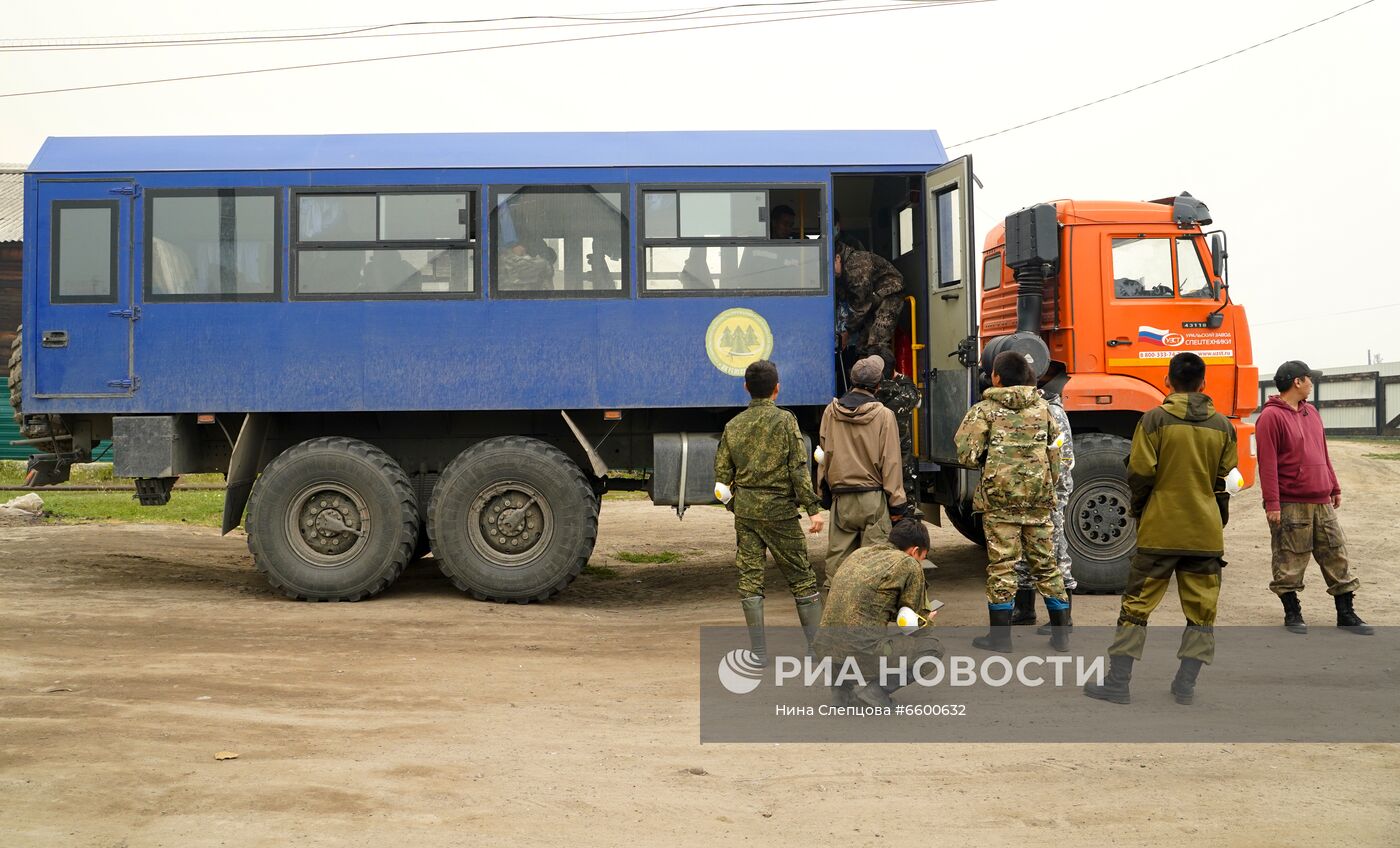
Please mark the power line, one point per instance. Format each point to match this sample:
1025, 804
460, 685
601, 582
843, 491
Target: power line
382, 30
1172, 76
866, 10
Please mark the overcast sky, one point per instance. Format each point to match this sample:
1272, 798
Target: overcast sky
1291, 144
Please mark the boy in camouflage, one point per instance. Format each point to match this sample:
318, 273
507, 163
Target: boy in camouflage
763, 459
1024, 611
1015, 439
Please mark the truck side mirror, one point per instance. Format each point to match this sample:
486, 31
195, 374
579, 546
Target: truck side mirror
1215, 320
1217, 255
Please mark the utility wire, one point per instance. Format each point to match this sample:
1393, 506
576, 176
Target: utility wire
868, 10
382, 30
368, 33
1172, 76
1325, 315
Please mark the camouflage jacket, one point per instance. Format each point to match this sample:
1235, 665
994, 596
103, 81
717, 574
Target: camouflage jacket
1012, 434
873, 290
866, 594
1065, 485
763, 458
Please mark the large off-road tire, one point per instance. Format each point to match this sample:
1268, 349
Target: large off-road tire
1101, 531
39, 426
512, 519
332, 519
967, 523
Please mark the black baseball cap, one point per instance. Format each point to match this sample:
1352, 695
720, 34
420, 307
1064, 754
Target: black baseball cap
1293, 369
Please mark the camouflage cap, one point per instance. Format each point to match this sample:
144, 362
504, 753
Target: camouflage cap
868, 371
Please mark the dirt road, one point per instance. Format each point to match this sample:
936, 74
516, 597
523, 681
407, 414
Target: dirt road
129, 655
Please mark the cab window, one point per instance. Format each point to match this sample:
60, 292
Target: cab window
1142, 268
991, 272
1192, 280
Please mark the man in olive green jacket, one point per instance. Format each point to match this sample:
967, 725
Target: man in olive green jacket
1182, 452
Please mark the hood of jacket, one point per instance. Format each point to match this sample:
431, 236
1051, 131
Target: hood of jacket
1189, 406
857, 407
1012, 397
1304, 409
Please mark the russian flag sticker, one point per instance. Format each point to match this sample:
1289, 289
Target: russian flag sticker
1153, 335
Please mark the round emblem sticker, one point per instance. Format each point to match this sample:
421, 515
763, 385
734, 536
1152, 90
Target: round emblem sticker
736, 339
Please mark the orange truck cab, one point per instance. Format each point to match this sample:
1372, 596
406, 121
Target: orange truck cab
1119, 288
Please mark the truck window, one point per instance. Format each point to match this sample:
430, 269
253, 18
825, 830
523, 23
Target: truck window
1191, 278
558, 241
212, 244
1142, 267
950, 245
715, 240
991, 272
394, 243
84, 264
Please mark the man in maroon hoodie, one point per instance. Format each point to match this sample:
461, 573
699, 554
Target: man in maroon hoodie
1301, 497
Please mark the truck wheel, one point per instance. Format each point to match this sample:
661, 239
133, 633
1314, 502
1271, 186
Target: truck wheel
967, 523
512, 519
1101, 532
332, 519
16, 374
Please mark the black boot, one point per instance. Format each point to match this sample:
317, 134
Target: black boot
809, 612
1044, 629
753, 617
1347, 617
1115, 685
1024, 610
998, 638
1293, 613
1059, 629
1184, 685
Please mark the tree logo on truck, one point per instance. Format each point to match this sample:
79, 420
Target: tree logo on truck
736, 338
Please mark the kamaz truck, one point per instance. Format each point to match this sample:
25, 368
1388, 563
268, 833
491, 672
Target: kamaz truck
395, 344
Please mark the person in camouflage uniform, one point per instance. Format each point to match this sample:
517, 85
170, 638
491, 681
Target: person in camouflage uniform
762, 458
1024, 611
899, 395
865, 596
873, 292
1014, 438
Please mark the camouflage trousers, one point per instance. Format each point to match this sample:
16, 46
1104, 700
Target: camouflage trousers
1198, 587
1010, 542
785, 540
1310, 531
901, 396
1062, 555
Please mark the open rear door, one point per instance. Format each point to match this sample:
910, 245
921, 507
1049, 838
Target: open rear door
952, 310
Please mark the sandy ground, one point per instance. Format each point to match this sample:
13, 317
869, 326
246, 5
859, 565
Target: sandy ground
129, 655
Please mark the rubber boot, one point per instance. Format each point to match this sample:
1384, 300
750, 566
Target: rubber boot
809, 612
998, 638
1059, 629
1024, 610
1293, 613
1347, 617
1115, 684
753, 617
1184, 684
871, 695
1044, 629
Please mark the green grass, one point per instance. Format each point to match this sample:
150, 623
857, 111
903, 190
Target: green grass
602, 572
1394, 457
89, 474
625, 496
203, 508
656, 558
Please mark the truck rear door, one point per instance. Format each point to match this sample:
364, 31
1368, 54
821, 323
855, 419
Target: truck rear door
950, 381
84, 306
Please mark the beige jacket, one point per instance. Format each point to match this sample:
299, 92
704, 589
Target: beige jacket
860, 438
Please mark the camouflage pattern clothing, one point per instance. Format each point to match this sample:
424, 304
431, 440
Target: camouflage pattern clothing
873, 290
901, 396
523, 272
1013, 436
762, 457
865, 597
1063, 489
